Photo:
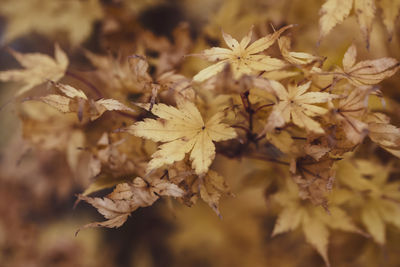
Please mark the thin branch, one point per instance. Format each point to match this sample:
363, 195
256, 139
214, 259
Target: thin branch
264, 158
86, 82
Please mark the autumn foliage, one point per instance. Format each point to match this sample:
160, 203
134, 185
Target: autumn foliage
293, 123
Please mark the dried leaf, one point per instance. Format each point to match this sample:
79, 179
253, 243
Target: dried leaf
211, 188
127, 197
367, 72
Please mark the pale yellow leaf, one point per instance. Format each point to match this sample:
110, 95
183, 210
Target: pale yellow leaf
365, 11
70, 91
288, 220
317, 235
332, 13
374, 223
390, 12
57, 101
185, 130
112, 104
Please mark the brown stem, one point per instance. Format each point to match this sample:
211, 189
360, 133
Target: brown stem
263, 106
247, 106
262, 157
86, 82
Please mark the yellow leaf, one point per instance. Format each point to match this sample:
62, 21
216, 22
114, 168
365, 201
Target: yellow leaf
296, 58
184, 131
39, 68
317, 235
332, 13
313, 220
385, 135
349, 112
70, 91
378, 198
212, 187
295, 105
390, 12
59, 102
103, 182
77, 101
288, 220
365, 11
374, 223
367, 72
242, 57
111, 104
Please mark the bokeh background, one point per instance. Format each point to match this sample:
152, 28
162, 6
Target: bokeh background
38, 188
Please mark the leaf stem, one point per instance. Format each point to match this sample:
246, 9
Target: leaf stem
86, 82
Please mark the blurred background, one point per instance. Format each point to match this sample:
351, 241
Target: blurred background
38, 187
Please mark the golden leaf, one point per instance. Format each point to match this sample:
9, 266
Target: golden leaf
349, 113
367, 72
378, 199
211, 188
294, 104
242, 57
365, 12
332, 13
296, 58
184, 131
390, 12
313, 220
77, 101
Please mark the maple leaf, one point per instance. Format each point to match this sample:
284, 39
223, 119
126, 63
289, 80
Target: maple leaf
313, 220
390, 12
383, 133
334, 12
212, 187
183, 130
365, 13
128, 197
77, 101
349, 112
39, 68
314, 177
294, 104
367, 72
378, 199
243, 58
296, 58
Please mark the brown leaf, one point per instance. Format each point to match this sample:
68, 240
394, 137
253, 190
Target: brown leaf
127, 197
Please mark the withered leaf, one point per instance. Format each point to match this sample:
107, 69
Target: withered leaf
127, 197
